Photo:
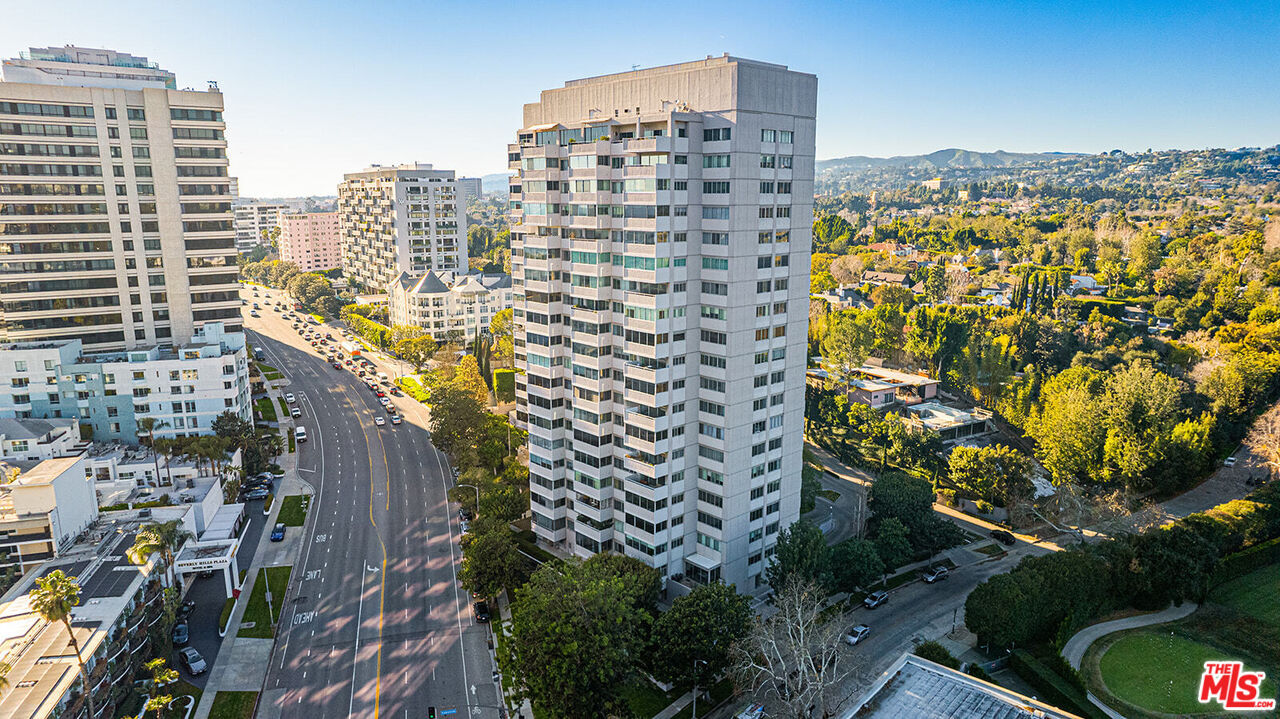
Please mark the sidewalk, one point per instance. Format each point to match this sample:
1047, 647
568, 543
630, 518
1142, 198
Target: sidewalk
1080, 642
243, 661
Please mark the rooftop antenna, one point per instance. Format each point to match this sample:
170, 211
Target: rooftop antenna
634, 68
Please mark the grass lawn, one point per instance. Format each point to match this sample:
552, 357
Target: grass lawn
273, 376
185, 688
830, 494
990, 550
293, 510
525, 540
1254, 594
265, 368
645, 698
233, 705
266, 409
226, 612
284, 407
256, 610
1160, 671
293, 443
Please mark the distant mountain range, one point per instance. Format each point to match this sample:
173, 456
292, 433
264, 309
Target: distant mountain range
497, 182
948, 158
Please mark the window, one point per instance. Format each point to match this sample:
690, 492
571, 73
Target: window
768, 161
766, 188
715, 213
709, 161
715, 188
711, 407
768, 136
713, 313
784, 188
784, 137
715, 238
715, 134
712, 431
785, 162
715, 263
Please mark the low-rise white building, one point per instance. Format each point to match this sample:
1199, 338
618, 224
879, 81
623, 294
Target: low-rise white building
446, 304
28, 440
43, 509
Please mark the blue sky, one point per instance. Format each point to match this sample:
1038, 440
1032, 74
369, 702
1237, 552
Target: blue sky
316, 89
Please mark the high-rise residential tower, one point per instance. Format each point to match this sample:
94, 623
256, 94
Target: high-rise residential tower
310, 240
406, 218
115, 211
660, 228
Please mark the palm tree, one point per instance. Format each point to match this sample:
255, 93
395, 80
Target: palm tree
161, 675
147, 426
53, 599
163, 537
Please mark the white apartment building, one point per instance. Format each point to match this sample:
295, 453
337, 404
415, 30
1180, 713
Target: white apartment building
406, 218
310, 240
252, 219
182, 388
448, 305
44, 508
660, 230
114, 206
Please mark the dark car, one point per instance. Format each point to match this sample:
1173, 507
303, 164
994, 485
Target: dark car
464, 514
337, 365
933, 574
192, 662
481, 610
277, 534
186, 609
875, 599
181, 634
1003, 537
258, 493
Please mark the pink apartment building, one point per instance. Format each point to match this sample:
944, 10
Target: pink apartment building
310, 240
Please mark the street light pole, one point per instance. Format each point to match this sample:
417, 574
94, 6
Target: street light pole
477, 489
696, 662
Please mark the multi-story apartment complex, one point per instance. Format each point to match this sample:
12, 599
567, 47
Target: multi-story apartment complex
660, 227
114, 206
44, 508
448, 305
310, 240
253, 219
182, 388
407, 218
471, 188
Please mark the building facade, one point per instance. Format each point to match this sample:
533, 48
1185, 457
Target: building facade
115, 213
407, 218
44, 509
310, 240
252, 219
661, 226
182, 388
471, 188
448, 305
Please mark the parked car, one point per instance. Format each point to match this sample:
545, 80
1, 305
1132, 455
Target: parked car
1003, 537
1229, 461
295, 412
257, 493
277, 534
464, 526
191, 660
481, 610
300, 434
857, 634
181, 634
290, 398
875, 599
337, 365
933, 574
186, 608
464, 514
379, 421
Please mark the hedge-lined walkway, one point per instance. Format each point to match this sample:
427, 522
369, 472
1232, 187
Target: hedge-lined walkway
1076, 646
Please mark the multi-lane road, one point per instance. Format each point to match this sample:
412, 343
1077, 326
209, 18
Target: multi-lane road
375, 623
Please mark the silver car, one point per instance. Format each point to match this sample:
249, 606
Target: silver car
192, 661
857, 634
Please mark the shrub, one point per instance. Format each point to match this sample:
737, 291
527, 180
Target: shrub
1053, 688
937, 654
947, 497
412, 388
1242, 563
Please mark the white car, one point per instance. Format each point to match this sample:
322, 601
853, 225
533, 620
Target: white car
290, 398
295, 412
379, 421
1229, 461
857, 634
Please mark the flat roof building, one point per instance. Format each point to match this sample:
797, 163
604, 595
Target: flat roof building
311, 240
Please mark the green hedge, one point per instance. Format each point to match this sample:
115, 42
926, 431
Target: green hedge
504, 384
412, 388
1244, 562
1053, 688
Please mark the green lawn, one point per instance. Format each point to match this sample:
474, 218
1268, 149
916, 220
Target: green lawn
293, 510
266, 409
284, 407
256, 610
1160, 671
990, 550
264, 368
233, 705
830, 494
293, 443
645, 698
1256, 594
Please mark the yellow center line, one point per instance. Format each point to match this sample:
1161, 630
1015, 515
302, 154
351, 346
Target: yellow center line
382, 589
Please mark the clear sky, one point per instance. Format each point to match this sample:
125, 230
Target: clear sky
315, 89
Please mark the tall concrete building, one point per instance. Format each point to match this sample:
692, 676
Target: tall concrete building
660, 232
471, 188
252, 219
406, 218
115, 209
310, 240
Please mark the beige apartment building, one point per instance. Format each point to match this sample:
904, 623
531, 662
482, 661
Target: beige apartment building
660, 237
450, 306
405, 218
115, 208
311, 240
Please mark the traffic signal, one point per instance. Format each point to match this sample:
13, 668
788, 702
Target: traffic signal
431, 713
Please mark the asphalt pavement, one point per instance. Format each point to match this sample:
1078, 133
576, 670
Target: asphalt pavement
375, 623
